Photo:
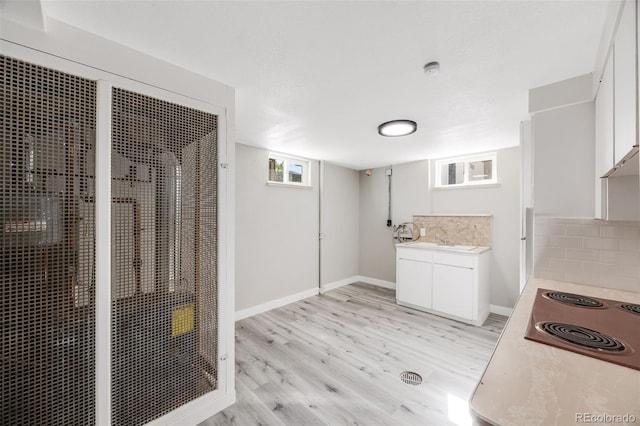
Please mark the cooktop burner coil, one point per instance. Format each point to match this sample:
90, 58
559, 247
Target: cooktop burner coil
573, 299
582, 336
634, 309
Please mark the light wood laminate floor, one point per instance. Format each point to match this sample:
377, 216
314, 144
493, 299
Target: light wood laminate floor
335, 359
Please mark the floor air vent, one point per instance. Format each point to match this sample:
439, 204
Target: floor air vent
411, 378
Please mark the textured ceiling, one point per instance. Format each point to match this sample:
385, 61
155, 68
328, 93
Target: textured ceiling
316, 78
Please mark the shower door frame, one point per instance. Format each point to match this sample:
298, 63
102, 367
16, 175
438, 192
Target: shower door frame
205, 406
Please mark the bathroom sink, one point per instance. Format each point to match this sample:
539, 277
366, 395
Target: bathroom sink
457, 247
446, 247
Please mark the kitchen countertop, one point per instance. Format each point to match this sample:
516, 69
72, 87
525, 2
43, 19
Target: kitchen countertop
445, 248
529, 383
455, 215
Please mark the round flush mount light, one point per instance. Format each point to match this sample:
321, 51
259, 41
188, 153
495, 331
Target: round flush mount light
431, 69
397, 128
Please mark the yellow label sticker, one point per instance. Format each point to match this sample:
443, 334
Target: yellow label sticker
182, 319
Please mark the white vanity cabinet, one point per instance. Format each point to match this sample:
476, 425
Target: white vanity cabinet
444, 281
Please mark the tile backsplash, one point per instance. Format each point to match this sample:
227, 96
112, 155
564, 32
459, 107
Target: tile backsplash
588, 251
472, 230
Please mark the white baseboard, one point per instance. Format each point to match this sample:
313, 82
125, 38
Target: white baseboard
264, 307
375, 281
340, 283
501, 310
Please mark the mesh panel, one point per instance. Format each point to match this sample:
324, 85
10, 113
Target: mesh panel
164, 312
47, 291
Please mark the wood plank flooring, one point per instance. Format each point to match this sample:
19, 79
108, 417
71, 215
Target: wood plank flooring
335, 359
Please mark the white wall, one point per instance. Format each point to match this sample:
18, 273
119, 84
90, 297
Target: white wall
276, 233
340, 218
411, 195
623, 194
406, 203
377, 254
566, 92
564, 161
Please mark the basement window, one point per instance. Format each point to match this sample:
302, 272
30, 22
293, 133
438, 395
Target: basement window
470, 170
288, 171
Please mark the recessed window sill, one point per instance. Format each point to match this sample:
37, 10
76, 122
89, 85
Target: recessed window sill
479, 185
288, 185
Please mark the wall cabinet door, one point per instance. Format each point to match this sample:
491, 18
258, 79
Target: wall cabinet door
453, 290
625, 82
414, 282
604, 133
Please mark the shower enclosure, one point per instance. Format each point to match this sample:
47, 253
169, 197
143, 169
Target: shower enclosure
69, 354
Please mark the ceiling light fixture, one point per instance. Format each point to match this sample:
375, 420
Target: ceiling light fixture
397, 128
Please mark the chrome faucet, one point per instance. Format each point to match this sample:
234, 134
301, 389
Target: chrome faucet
445, 242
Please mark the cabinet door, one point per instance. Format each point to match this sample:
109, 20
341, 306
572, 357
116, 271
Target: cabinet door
604, 133
453, 290
625, 82
414, 282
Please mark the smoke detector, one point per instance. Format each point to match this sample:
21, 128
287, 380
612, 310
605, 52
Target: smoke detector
431, 69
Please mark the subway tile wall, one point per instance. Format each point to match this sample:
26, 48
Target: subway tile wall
587, 251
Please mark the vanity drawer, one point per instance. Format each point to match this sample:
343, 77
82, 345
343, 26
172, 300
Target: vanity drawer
415, 254
461, 260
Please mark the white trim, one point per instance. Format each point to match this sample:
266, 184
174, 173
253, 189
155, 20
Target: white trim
289, 185
273, 304
196, 411
377, 282
226, 248
339, 283
102, 208
321, 234
501, 310
467, 186
219, 399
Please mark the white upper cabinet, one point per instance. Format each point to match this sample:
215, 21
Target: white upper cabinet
604, 133
604, 122
625, 82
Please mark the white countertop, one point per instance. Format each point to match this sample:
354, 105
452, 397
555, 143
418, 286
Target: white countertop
529, 383
455, 214
462, 249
